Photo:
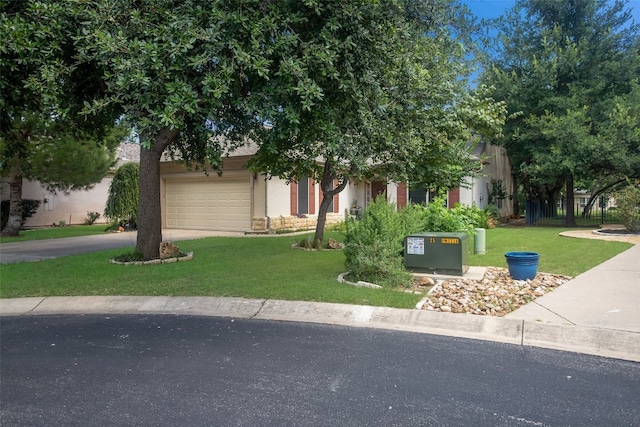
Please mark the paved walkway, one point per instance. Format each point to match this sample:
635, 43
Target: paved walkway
598, 312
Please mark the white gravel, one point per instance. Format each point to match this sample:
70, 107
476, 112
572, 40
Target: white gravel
496, 294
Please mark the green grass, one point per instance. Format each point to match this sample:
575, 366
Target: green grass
267, 268
259, 267
561, 255
56, 233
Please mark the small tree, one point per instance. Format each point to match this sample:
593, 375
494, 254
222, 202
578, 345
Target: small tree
122, 203
373, 245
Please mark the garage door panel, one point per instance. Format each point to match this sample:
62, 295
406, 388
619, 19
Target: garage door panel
212, 205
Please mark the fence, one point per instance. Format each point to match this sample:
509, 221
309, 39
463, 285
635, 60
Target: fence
543, 213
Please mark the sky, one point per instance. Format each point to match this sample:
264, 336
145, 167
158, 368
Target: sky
487, 9
495, 8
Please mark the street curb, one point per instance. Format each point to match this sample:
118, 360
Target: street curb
595, 341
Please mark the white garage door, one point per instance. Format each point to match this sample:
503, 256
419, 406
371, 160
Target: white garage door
208, 205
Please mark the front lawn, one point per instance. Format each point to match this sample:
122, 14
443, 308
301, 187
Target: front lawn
267, 268
56, 233
253, 267
561, 255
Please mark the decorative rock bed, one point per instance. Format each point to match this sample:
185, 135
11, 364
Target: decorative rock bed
496, 294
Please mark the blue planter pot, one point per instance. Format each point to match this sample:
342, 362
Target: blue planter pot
522, 265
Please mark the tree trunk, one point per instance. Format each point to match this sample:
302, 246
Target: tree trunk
596, 194
149, 211
14, 221
514, 195
326, 185
322, 217
570, 219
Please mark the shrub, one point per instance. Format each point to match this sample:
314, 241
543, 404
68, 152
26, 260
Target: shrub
122, 202
29, 208
492, 214
459, 219
628, 201
91, 218
373, 245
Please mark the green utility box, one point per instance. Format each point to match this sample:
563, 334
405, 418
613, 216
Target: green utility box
443, 253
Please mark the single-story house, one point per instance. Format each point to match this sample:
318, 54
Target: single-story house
239, 200
243, 201
248, 202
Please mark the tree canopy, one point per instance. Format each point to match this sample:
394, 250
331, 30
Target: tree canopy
197, 80
384, 97
42, 134
569, 73
183, 73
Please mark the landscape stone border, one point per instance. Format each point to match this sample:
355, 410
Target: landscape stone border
187, 257
359, 283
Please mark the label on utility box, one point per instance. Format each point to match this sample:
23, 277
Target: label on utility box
415, 245
450, 241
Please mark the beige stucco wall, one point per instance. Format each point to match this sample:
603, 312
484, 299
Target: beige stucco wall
70, 207
478, 188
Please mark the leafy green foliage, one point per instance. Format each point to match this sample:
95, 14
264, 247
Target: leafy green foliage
122, 201
374, 244
568, 71
374, 89
459, 219
628, 201
29, 208
188, 77
44, 87
129, 257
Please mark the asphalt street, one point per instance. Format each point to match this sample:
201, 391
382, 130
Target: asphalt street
192, 370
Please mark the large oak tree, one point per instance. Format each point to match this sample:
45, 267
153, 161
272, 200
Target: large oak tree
184, 73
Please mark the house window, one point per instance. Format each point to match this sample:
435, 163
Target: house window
303, 195
418, 196
422, 196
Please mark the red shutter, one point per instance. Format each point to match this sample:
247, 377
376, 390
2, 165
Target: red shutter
402, 195
454, 197
294, 197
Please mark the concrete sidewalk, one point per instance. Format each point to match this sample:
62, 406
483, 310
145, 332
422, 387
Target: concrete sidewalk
606, 297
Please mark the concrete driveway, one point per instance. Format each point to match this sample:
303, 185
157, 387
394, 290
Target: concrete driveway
37, 250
